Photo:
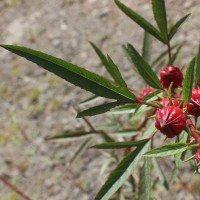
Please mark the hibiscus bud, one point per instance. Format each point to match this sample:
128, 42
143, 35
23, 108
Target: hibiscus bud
144, 93
197, 155
170, 121
194, 106
166, 102
171, 74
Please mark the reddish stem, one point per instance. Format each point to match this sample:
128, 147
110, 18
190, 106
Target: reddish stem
13, 188
169, 51
193, 130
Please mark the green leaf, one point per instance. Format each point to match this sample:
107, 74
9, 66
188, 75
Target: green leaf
124, 169
149, 130
131, 132
176, 27
90, 99
108, 127
71, 134
174, 57
198, 68
101, 56
106, 137
125, 109
80, 150
96, 110
147, 44
183, 137
122, 172
116, 73
160, 174
159, 12
188, 82
145, 180
167, 150
177, 166
119, 145
143, 68
152, 96
110, 66
74, 74
140, 21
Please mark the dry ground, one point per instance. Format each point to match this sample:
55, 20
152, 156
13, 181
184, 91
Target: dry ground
35, 104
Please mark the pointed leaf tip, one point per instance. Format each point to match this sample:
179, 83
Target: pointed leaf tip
188, 81
74, 74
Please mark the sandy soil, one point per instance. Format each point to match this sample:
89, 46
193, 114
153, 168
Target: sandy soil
35, 104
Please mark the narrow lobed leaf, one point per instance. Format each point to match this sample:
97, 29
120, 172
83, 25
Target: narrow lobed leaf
160, 173
145, 180
122, 172
125, 109
124, 169
174, 57
147, 44
129, 132
140, 20
159, 12
116, 73
162, 56
96, 110
119, 145
143, 68
167, 150
106, 137
74, 74
198, 68
71, 134
183, 137
90, 99
110, 66
188, 81
81, 150
176, 27
101, 56
152, 96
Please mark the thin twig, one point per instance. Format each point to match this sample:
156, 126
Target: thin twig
15, 189
169, 51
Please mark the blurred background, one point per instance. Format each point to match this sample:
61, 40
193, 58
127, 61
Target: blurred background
35, 104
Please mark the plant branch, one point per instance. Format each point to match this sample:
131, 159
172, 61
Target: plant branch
14, 188
169, 51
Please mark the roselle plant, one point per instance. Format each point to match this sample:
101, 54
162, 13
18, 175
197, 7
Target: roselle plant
168, 108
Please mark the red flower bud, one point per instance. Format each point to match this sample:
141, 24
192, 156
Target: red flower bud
197, 155
144, 93
166, 102
171, 74
170, 121
194, 106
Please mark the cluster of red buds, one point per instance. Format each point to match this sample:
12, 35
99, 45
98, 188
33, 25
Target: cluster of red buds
173, 115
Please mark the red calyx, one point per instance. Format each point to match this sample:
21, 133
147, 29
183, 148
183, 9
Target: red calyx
171, 74
143, 94
197, 156
170, 121
166, 102
193, 130
194, 106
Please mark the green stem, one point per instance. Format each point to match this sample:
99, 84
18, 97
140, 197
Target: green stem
193, 146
